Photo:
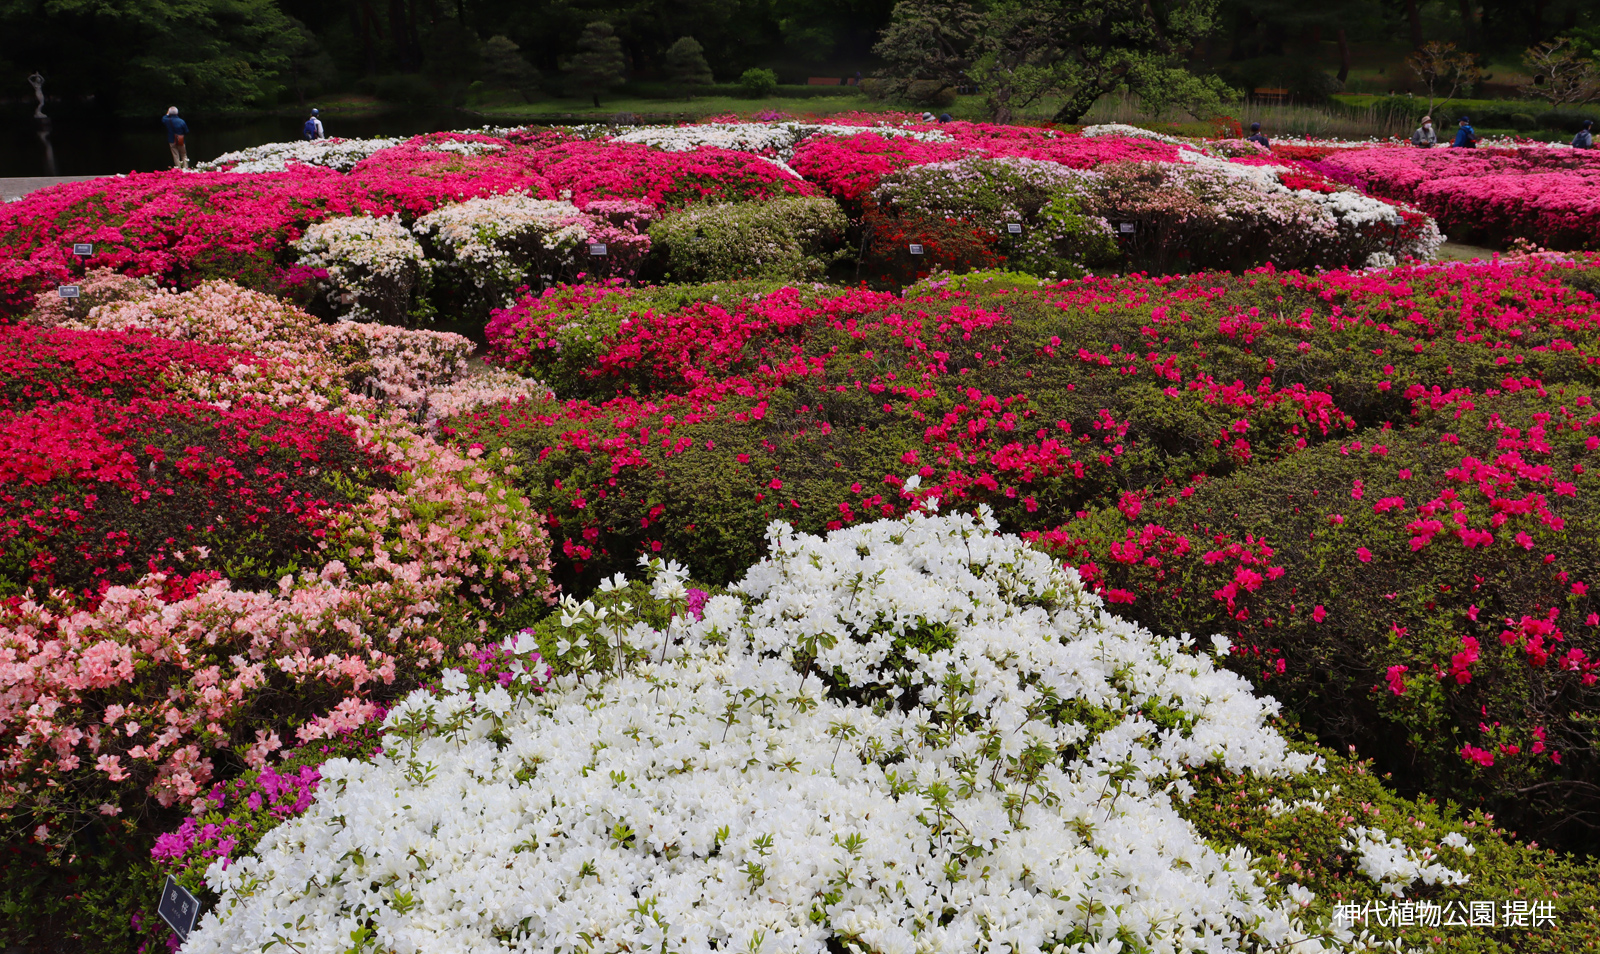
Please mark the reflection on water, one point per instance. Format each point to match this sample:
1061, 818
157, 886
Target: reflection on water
87, 145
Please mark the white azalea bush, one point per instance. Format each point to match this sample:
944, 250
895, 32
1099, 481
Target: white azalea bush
493, 245
776, 139
792, 238
338, 154
373, 268
914, 735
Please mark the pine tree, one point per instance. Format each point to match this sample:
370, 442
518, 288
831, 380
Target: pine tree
598, 64
686, 65
504, 65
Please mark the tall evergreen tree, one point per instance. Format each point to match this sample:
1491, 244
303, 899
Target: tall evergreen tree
598, 64
686, 65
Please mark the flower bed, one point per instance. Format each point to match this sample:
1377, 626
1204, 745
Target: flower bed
262, 556
1491, 196
827, 408
580, 815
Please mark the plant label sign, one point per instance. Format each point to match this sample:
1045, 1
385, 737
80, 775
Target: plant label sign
1014, 228
597, 249
68, 291
916, 249
178, 908
1126, 228
82, 248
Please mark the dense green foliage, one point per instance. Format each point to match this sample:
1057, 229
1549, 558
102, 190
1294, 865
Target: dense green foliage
789, 239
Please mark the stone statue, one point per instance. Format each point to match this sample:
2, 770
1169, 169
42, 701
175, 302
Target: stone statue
37, 82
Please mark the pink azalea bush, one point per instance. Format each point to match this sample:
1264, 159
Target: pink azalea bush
1490, 196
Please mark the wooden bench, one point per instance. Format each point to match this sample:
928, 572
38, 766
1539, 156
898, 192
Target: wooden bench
824, 81
1269, 94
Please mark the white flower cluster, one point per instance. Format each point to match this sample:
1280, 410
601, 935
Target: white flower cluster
1124, 131
462, 147
777, 138
1357, 218
500, 242
373, 264
1394, 866
891, 741
340, 154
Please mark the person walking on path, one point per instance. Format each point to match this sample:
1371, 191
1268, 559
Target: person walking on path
1466, 136
1424, 137
313, 128
177, 132
1257, 137
1585, 137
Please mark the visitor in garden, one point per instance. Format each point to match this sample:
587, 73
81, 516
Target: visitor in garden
944, 117
313, 128
177, 131
1256, 136
1466, 136
1585, 137
1423, 136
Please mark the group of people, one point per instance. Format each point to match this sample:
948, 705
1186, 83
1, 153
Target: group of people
1424, 136
178, 134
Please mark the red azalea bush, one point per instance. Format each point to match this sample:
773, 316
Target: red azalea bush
106, 476
1490, 196
1100, 396
593, 170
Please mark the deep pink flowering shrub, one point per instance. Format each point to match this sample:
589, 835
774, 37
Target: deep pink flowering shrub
593, 170
849, 168
183, 228
685, 432
1490, 196
105, 475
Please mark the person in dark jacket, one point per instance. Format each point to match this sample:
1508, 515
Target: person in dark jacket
1466, 136
1585, 137
1256, 136
177, 133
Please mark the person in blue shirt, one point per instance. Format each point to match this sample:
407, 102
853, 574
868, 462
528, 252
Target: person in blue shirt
177, 132
1585, 137
1466, 136
1257, 137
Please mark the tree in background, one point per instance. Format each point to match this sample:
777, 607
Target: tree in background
1018, 51
686, 65
1561, 77
598, 64
137, 55
504, 66
1440, 64
928, 41
308, 67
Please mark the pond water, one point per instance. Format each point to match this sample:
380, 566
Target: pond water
82, 144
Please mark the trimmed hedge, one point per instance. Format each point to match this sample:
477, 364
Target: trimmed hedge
790, 239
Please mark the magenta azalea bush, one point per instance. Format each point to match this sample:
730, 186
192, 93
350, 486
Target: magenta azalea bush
1490, 196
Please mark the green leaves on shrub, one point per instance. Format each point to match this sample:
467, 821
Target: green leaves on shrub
793, 239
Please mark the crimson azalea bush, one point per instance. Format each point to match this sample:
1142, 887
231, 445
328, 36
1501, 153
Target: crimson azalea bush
106, 476
686, 431
596, 170
1490, 196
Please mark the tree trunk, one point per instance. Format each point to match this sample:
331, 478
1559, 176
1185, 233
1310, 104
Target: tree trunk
596, 100
1344, 56
1081, 100
1414, 17
1535, 22
398, 32
1469, 24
